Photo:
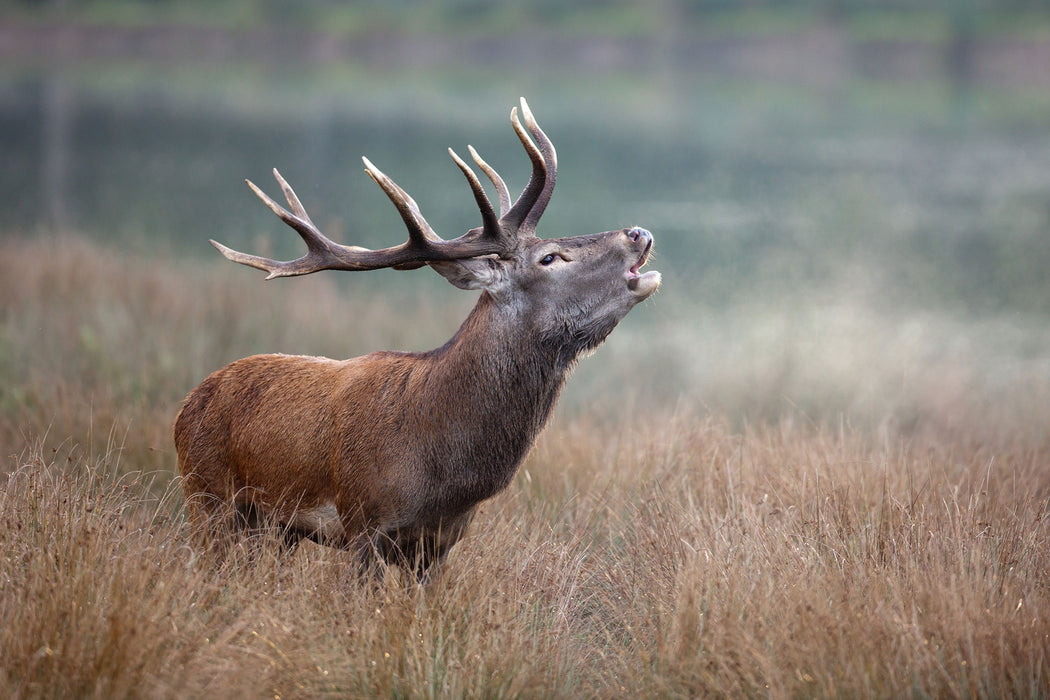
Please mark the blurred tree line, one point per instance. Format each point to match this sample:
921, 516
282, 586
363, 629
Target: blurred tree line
603, 16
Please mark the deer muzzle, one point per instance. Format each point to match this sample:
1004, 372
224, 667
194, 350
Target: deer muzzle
642, 284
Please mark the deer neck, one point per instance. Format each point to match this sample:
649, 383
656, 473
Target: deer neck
495, 384
502, 365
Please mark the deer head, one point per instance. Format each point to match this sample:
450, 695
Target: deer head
400, 447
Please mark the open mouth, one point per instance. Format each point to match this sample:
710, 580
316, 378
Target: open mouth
644, 258
647, 282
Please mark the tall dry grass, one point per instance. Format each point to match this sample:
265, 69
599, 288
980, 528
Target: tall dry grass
658, 552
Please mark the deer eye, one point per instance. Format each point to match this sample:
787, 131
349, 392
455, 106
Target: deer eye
549, 258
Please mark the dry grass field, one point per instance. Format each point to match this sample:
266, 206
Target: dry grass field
662, 551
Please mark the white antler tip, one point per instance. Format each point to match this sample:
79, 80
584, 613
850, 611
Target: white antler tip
256, 190
459, 161
527, 114
371, 169
228, 253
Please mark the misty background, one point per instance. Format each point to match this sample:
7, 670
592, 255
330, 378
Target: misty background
851, 200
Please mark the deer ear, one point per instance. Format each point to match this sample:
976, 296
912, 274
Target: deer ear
471, 273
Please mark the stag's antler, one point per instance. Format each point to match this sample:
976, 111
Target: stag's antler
496, 236
526, 212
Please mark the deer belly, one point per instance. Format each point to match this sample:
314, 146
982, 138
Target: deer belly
322, 520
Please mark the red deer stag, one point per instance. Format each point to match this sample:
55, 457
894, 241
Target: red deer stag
389, 454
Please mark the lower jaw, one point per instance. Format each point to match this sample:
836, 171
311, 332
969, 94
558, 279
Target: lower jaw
645, 284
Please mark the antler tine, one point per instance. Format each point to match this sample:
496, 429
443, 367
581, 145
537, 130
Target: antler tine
289, 194
255, 261
419, 230
501, 186
550, 159
518, 213
302, 225
319, 248
490, 222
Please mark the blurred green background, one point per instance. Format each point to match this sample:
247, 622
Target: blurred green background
851, 199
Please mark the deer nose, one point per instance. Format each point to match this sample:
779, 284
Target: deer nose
636, 233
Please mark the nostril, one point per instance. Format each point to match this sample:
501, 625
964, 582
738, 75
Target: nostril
636, 232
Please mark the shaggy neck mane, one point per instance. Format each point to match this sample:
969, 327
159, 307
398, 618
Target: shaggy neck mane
489, 391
